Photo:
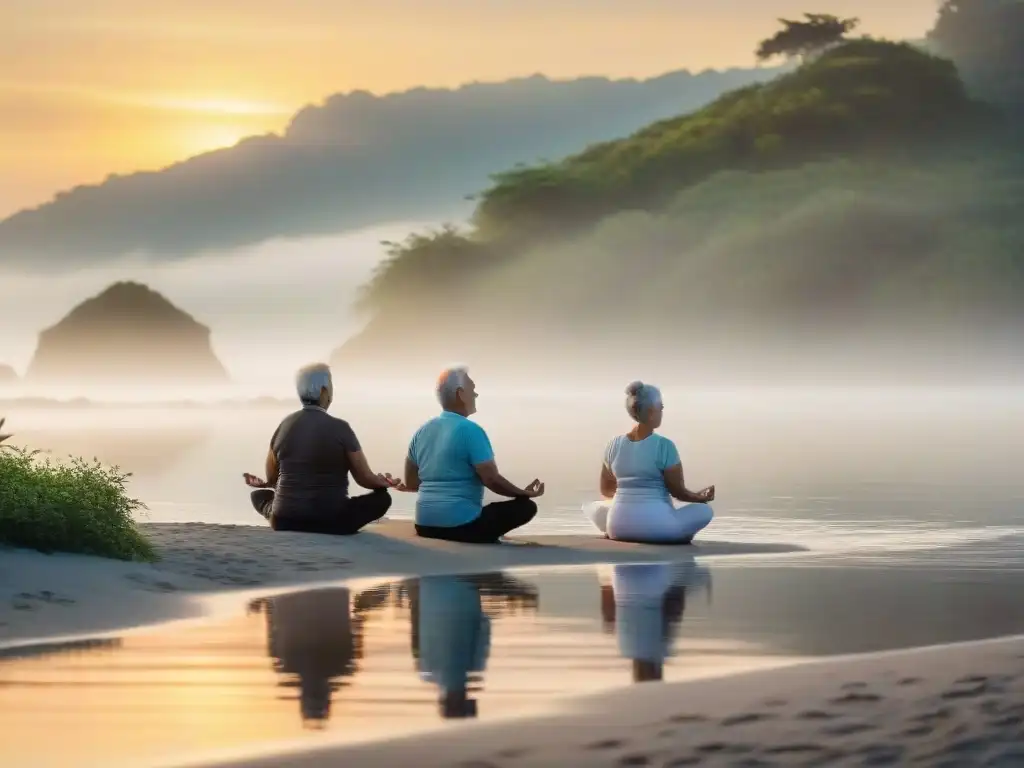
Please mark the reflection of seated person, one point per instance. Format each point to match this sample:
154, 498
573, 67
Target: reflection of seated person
310, 635
451, 633
644, 604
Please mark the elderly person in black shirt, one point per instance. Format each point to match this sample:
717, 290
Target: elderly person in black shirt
311, 455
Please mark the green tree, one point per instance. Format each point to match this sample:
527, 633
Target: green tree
804, 39
985, 38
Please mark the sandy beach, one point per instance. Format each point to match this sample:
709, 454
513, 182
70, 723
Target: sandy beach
47, 596
956, 705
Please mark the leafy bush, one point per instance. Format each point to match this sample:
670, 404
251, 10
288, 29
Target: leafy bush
76, 506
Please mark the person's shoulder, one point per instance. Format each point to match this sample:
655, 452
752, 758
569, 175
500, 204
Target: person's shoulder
432, 423
342, 427
471, 428
291, 418
664, 443
615, 442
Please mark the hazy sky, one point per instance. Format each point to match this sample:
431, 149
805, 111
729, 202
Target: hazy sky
90, 87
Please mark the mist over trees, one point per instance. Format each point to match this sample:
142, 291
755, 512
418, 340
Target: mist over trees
985, 38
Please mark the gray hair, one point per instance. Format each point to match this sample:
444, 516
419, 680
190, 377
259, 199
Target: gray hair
450, 381
311, 379
640, 398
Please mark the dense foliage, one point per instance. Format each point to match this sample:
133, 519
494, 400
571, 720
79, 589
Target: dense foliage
863, 98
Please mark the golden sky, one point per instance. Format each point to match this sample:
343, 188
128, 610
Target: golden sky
92, 87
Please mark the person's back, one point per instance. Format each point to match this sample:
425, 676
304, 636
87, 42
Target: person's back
312, 452
639, 466
641, 508
445, 450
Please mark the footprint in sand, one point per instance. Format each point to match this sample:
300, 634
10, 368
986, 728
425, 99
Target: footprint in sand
882, 754
606, 744
816, 714
688, 719
1007, 721
857, 698
634, 760
942, 713
794, 749
750, 717
848, 729
724, 748
966, 693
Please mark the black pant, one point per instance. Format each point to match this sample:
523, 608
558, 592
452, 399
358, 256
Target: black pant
496, 519
355, 513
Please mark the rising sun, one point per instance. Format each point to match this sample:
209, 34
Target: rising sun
206, 138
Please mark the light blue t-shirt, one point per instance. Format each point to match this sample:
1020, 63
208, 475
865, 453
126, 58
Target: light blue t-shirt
445, 449
638, 466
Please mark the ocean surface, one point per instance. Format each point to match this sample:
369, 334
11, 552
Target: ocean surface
879, 476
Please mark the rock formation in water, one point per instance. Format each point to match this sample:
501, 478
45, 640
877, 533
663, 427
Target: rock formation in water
8, 375
127, 335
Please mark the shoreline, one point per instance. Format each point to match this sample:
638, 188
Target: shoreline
955, 701
46, 597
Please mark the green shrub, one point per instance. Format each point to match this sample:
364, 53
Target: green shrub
76, 506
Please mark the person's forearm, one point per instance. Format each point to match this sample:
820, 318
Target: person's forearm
503, 487
687, 495
371, 482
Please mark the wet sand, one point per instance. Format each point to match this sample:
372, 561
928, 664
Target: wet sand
951, 706
43, 596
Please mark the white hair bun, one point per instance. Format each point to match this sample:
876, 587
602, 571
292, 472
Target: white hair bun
634, 388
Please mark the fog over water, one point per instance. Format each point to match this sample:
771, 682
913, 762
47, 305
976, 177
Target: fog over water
878, 471
271, 307
868, 466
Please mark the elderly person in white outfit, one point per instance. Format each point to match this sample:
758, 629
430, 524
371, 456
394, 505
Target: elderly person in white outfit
640, 476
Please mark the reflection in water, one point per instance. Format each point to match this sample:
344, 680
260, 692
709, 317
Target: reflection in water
451, 632
643, 603
389, 661
315, 639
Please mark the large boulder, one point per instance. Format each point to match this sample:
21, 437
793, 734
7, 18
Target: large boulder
128, 334
8, 375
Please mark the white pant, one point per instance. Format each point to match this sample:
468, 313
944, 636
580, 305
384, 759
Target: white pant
648, 521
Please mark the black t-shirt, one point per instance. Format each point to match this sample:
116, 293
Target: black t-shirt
312, 448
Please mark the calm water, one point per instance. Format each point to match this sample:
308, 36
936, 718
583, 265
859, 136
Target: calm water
876, 472
356, 663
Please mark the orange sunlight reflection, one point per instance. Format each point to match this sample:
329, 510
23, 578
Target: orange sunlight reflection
234, 685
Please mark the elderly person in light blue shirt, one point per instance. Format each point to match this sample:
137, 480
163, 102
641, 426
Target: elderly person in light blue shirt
640, 475
450, 462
